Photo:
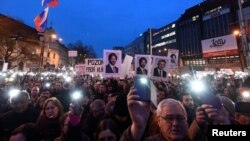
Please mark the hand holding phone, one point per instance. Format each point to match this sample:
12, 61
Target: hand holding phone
76, 103
204, 94
211, 99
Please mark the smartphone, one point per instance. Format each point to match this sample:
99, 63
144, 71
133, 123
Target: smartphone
142, 84
211, 99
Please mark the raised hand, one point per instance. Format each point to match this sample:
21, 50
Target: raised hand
139, 112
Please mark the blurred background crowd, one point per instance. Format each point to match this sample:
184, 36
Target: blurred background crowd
64, 107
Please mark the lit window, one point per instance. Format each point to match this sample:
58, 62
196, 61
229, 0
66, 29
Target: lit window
173, 25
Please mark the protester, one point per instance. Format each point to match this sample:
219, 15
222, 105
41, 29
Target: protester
111, 99
49, 121
91, 121
208, 115
171, 117
242, 115
21, 112
107, 131
34, 94
188, 103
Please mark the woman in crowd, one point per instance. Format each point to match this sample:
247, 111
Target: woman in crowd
49, 121
39, 103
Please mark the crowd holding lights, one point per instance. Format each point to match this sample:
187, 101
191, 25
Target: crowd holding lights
67, 76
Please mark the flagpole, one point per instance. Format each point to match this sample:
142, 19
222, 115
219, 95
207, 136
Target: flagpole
43, 46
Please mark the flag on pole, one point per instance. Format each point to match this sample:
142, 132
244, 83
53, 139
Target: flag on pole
40, 20
50, 3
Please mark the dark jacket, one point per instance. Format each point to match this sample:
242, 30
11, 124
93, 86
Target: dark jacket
110, 70
48, 129
139, 71
156, 73
11, 120
126, 136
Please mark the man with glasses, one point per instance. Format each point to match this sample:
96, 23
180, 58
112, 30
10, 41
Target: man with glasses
171, 118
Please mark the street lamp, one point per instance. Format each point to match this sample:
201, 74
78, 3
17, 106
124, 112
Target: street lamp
53, 36
236, 32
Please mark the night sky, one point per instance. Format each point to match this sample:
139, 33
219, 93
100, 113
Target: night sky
100, 23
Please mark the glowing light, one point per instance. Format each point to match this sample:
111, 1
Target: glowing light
197, 86
47, 85
76, 95
236, 32
68, 79
246, 94
13, 93
143, 81
54, 36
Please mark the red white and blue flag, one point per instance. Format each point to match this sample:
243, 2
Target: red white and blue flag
50, 3
40, 20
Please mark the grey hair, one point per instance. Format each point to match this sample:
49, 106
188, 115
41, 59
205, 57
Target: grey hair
169, 101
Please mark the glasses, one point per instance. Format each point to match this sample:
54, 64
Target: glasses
170, 118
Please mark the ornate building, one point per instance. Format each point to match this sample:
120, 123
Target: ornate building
21, 46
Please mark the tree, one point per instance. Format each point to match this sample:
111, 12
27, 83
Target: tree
16, 50
83, 51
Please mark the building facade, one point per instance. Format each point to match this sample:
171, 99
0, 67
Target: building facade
55, 54
163, 39
21, 46
211, 21
138, 46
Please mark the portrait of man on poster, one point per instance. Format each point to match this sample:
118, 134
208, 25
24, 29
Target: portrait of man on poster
159, 70
111, 66
141, 69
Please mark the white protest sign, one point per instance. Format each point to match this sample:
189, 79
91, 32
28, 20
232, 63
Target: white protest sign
94, 66
72, 53
125, 69
5, 67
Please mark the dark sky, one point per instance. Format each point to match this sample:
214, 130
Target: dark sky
100, 23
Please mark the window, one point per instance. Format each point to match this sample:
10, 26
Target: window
173, 25
48, 54
54, 56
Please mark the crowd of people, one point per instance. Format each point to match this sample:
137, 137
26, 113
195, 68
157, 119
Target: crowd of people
109, 109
